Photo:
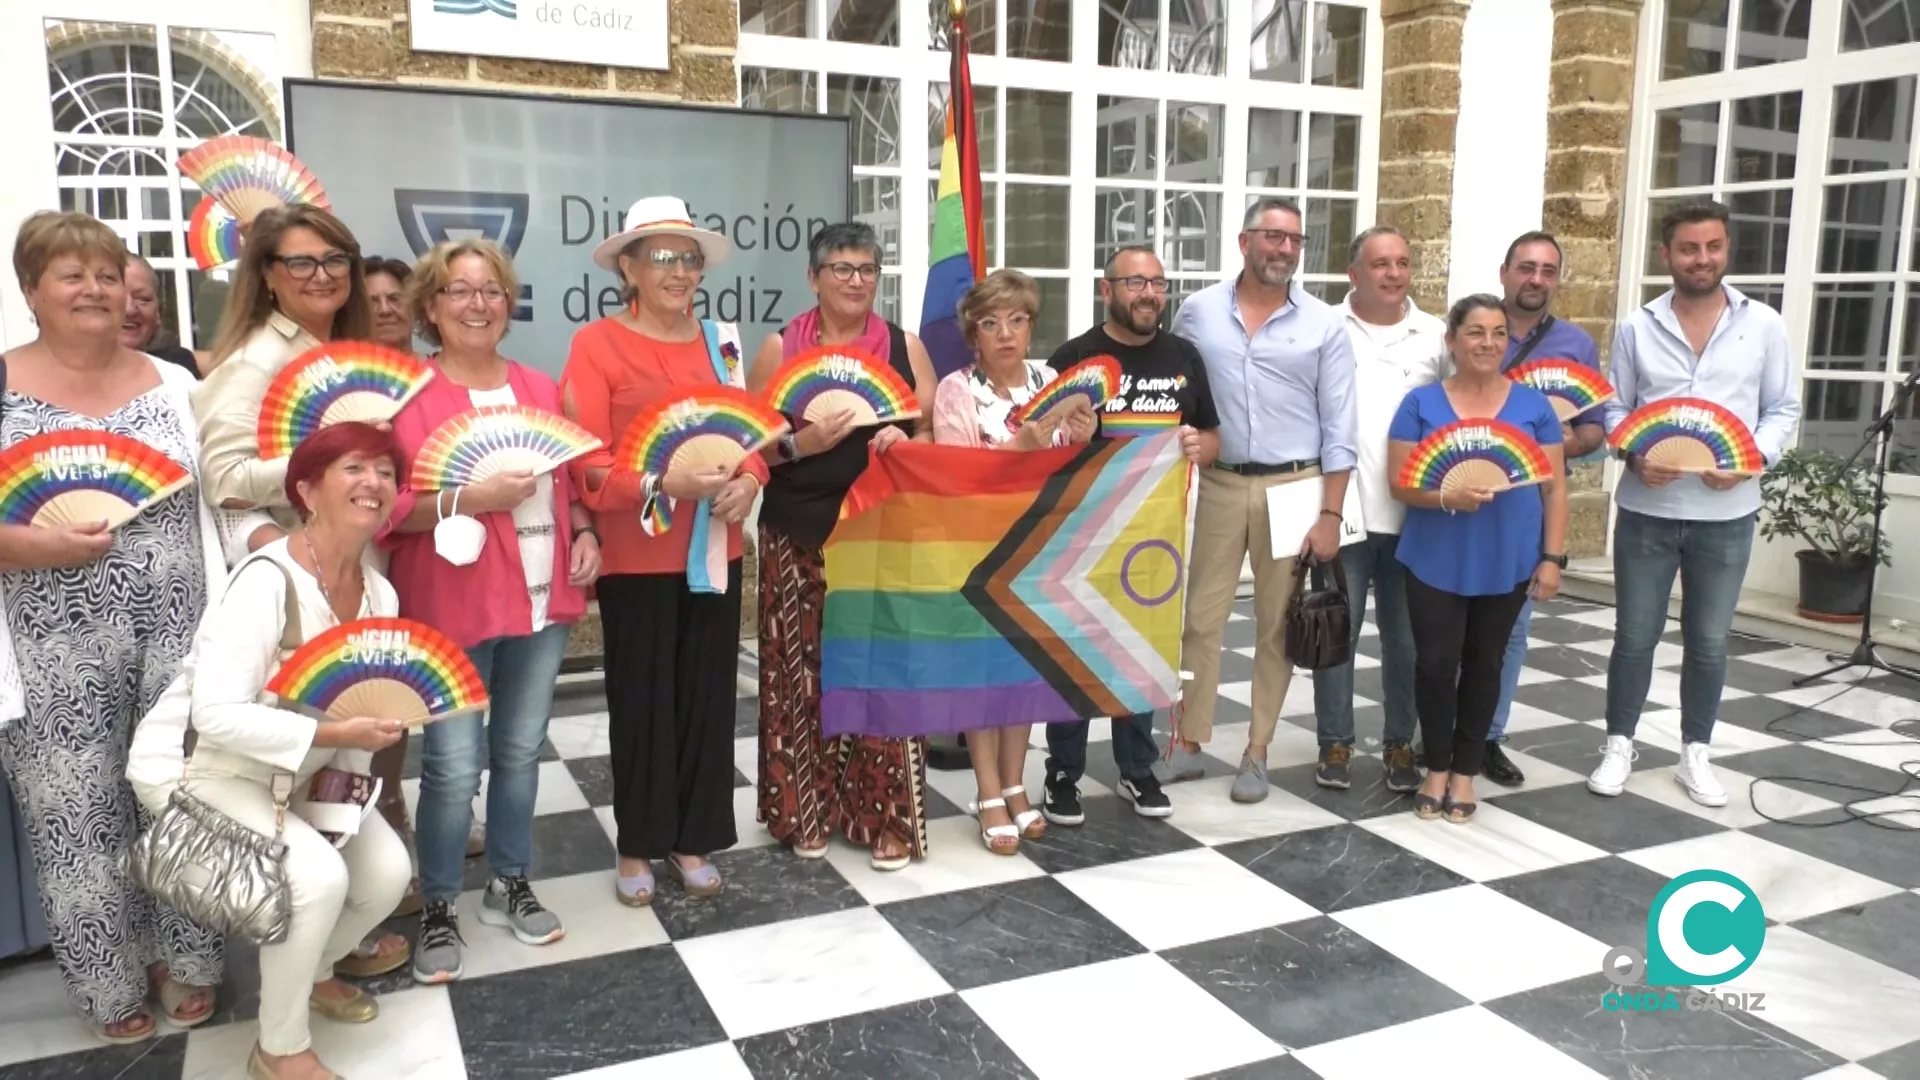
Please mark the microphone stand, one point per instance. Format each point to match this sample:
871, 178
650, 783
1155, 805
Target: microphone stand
1866, 653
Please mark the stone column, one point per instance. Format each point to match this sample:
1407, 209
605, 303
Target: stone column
1419, 105
1589, 117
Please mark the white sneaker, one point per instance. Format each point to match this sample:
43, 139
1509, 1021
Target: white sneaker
1696, 776
1616, 765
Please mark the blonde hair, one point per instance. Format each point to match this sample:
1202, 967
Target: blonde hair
51, 234
1000, 289
435, 270
250, 305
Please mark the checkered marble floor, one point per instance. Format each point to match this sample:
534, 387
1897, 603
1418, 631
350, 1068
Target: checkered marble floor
1318, 933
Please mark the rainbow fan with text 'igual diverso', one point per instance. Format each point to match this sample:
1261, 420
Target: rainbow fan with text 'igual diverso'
485, 442
335, 383
79, 477
387, 669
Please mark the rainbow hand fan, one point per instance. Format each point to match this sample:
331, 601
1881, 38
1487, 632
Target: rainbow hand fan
74, 477
346, 380
1479, 453
249, 174
1572, 387
1689, 434
388, 669
1096, 379
820, 382
718, 425
485, 442
213, 235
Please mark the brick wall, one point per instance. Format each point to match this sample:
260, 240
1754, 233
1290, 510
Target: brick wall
368, 40
1589, 116
1419, 106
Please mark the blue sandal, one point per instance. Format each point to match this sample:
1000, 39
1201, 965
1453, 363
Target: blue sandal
1426, 807
636, 891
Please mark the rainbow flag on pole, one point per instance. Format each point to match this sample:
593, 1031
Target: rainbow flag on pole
971, 588
958, 257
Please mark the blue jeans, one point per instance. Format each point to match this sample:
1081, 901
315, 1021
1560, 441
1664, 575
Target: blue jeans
1133, 748
519, 673
1711, 560
1371, 562
1510, 669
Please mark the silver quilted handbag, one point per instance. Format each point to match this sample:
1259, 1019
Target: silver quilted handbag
216, 871
209, 867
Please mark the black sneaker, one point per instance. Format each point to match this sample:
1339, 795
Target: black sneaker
1062, 803
1496, 766
1147, 798
1332, 770
1402, 774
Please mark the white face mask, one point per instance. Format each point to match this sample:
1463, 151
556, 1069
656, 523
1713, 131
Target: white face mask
458, 539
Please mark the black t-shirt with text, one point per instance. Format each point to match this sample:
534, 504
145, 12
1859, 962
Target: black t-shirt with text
1163, 383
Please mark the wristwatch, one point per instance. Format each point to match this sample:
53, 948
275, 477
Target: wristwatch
1557, 560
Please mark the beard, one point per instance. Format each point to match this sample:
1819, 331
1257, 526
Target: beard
1123, 315
1684, 284
1271, 271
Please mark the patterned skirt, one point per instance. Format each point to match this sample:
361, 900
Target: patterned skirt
810, 786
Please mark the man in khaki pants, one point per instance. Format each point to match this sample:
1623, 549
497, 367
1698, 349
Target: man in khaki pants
1281, 368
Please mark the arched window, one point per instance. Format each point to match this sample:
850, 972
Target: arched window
124, 110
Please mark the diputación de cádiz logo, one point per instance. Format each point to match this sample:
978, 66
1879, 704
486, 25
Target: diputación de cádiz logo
1705, 929
504, 8
429, 217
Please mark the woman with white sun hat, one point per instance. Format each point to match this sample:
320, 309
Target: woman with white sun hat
670, 625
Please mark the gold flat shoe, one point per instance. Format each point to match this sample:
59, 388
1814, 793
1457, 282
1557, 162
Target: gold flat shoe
361, 1008
258, 1069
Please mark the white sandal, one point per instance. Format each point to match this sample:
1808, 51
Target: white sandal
1025, 822
991, 833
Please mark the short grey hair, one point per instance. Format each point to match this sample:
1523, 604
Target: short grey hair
843, 236
1360, 242
1269, 202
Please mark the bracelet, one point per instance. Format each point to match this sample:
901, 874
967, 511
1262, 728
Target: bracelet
586, 530
1334, 514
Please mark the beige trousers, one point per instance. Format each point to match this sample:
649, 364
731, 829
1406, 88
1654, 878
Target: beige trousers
1230, 525
339, 896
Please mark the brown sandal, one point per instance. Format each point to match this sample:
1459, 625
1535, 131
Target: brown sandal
375, 955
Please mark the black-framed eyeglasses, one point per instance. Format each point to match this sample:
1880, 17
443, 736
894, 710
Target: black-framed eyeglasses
1277, 237
666, 259
301, 267
1137, 283
844, 271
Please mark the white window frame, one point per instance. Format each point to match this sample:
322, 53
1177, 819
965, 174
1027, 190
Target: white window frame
1815, 77
29, 183
916, 67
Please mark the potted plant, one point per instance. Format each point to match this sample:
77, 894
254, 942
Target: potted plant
1813, 496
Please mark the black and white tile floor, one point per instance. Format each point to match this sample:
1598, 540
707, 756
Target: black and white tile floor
1318, 933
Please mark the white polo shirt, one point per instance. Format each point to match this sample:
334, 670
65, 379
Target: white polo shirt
1388, 362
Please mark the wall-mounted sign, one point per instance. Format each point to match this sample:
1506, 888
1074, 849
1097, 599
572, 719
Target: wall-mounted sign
617, 33
548, 178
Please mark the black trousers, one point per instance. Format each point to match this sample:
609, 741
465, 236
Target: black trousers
1459, 644
671, 660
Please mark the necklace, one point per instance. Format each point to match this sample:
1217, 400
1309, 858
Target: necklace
320, 576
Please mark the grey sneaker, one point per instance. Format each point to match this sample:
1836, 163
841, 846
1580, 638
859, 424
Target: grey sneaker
437, 958
1251, 785
1332, 771
1402, 774
509, 902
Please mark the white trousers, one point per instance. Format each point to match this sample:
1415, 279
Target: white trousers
339, 896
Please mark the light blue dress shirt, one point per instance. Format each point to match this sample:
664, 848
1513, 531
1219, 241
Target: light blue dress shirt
1285, 391
1746, 368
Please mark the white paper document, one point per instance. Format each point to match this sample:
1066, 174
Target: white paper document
1292, 510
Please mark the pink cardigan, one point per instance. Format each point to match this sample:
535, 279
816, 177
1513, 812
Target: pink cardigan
487, 600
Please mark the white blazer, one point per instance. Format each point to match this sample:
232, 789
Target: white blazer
178, 385
235, 653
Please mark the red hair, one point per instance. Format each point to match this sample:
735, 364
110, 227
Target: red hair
318, 452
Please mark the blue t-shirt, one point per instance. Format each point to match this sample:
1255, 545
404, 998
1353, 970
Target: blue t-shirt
1497, 547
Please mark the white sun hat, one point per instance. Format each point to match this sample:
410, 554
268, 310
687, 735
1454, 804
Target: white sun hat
660, 215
